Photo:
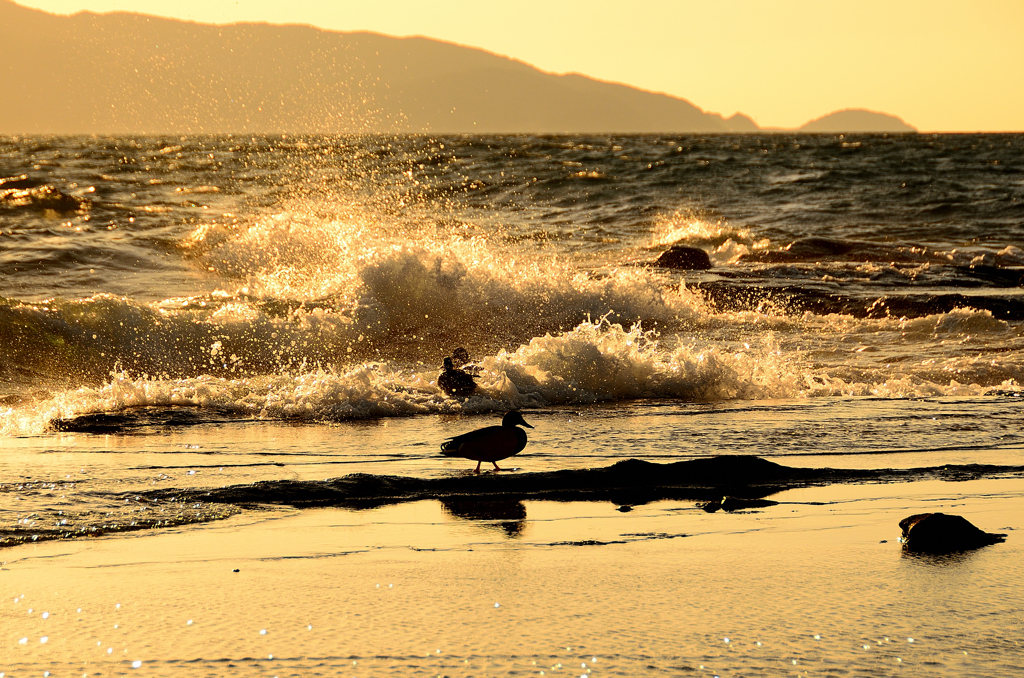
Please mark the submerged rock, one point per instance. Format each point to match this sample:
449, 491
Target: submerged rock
18, 181
731, 504
46, 198
685, 258
943, 533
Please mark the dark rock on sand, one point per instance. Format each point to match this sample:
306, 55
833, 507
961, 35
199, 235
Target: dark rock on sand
684, 258
943, 533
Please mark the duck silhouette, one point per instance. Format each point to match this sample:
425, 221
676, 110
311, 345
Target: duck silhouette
492, 443
455, 382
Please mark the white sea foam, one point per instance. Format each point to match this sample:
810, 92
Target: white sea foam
596, 361
725, 244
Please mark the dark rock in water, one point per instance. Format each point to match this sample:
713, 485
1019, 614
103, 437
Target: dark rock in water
817, 246
994, 275
730, 504
42, 198
685, 258
19, 181
710, 506
943, 533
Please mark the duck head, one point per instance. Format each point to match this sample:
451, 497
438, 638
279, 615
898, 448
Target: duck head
513, 418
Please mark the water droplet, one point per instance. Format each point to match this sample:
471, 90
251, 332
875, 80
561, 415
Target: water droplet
497, 605
725, 640
817, 636
136, 664
188, 623
118, 606
46, 615
44, 639
110, 650
23, 641
866, 647
910, 640
263, 632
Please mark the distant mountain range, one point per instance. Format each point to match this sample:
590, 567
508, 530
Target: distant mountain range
128, 73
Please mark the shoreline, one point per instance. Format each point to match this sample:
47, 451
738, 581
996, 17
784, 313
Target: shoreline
816, 582
727, 482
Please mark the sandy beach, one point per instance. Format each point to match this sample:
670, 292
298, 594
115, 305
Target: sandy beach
816, 585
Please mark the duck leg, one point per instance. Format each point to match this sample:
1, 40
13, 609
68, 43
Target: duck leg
477, 471
495, 466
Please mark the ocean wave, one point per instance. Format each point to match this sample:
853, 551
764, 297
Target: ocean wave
595, 362
725, 244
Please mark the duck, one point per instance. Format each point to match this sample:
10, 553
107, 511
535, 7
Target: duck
460, 359
492, 443
455, 382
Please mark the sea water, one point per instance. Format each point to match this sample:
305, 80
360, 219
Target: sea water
189, 312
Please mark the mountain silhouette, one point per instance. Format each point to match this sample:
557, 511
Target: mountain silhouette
122, 73
857, 120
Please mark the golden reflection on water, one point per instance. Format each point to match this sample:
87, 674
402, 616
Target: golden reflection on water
817, 580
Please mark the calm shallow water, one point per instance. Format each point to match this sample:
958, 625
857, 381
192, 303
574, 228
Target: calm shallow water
818, 580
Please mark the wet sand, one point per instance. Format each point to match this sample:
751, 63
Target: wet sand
817, 583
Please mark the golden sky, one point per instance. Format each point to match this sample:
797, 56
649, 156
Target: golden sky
941, 65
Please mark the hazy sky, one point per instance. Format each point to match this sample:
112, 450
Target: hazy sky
941, 65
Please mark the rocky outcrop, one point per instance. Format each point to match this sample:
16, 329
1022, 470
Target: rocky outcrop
684, 258
943, 533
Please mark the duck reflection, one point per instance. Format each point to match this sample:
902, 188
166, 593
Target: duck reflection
508, 516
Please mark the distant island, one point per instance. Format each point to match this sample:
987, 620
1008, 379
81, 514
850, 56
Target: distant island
856, 120
123, 73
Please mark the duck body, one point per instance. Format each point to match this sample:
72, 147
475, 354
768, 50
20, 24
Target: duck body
455, 382
490, 444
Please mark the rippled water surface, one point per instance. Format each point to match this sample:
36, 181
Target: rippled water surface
182, 314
